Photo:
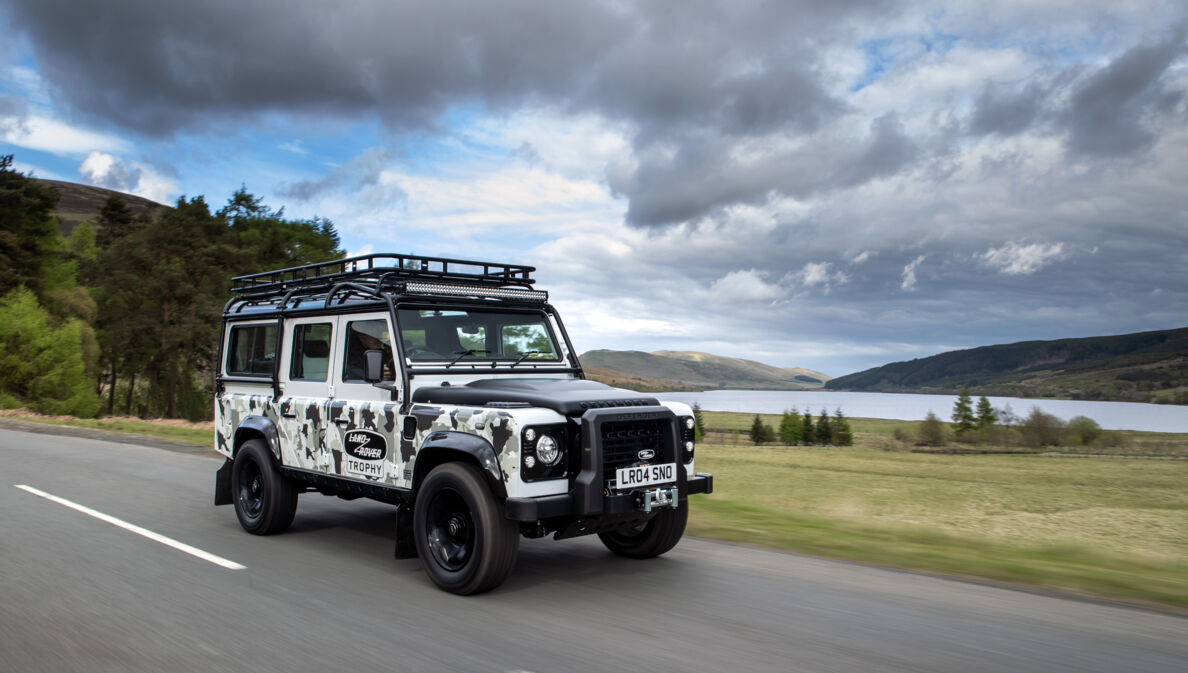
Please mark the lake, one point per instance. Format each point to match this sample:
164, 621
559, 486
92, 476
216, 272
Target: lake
1110, 415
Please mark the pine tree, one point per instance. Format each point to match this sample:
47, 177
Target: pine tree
757, 433
842, 434
963, 415
808, 433
791, 430
824, 430
987, 417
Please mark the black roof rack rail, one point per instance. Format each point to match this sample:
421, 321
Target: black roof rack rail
383, 268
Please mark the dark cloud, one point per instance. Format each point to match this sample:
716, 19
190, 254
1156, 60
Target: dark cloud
361, 172
13, 111
1004, 112
160, 67
677, 71
1106, 116
705, 171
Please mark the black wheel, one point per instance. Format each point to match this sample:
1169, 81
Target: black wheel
463, 539
660, 534
265, 501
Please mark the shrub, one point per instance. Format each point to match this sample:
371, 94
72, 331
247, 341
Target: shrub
1083, 430
1042, 429
932, 431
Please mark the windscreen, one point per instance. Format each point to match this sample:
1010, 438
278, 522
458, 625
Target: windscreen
464, 334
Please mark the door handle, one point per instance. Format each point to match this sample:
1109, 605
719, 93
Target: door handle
342, 421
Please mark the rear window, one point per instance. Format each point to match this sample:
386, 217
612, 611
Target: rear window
252, 350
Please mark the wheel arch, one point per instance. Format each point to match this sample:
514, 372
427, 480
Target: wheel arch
443, 447
257, 427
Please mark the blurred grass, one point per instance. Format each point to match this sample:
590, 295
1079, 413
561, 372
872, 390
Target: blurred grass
179, 431
1109, 526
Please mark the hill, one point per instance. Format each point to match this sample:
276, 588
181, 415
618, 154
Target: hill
78, 203
687, 370
1141, 367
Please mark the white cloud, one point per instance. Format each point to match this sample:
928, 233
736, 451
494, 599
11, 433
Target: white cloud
909, 274
105, 170
1015, 259
745, 286
49, 135
817, 273
863, 256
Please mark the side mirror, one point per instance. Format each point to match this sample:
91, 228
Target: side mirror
374, 369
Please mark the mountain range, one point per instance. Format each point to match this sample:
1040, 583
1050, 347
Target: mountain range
1139, 367
693, 371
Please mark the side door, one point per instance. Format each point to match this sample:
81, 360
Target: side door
364, 437
306, 390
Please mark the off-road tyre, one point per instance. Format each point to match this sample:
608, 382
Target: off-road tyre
466, 544
660, 534
265, 501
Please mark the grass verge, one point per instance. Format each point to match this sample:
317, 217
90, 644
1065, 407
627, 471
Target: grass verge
1063, 566
1112, 527
178, 431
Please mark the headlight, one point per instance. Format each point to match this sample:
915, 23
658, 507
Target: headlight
547, 450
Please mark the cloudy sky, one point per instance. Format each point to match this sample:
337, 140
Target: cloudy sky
834, 184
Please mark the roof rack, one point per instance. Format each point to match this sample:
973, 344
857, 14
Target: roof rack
383, 268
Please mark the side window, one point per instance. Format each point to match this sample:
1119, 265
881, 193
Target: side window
252, 350
311, 352
363, 336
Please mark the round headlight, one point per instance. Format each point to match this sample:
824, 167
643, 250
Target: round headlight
547, 450
689, 423
530, 434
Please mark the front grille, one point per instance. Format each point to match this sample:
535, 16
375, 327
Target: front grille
623, 440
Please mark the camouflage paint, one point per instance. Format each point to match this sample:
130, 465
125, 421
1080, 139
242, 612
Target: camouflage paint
312, 440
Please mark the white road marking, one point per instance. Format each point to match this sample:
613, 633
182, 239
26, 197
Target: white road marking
156, 537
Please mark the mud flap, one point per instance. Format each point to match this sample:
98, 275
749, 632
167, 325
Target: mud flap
223, 484
406, 546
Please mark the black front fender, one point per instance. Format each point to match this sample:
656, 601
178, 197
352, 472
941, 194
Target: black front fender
444, 446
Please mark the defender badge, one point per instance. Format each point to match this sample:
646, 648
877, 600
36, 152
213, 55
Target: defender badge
647, 454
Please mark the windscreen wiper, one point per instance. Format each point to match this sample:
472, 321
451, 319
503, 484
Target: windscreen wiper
462, 354
524, 355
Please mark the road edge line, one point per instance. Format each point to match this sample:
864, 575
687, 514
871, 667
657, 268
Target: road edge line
143, 532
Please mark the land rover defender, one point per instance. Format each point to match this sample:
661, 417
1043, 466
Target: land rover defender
449, 389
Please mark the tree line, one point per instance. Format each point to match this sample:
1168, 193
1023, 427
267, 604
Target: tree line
800, 429
984, 424
123, 314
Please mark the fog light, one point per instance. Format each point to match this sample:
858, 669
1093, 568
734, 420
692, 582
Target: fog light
529, 462
530, 435
689, 423
689, 447
547, 450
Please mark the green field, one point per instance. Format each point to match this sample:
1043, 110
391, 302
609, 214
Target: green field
1109, 526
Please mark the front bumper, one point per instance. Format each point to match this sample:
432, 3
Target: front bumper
567, 504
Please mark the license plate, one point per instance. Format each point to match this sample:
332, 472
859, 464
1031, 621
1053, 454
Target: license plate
645, 475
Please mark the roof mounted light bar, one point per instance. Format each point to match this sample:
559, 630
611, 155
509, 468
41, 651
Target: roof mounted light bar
381, 268
450, 290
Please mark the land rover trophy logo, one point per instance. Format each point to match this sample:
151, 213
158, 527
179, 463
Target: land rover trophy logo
647, 454
366, 445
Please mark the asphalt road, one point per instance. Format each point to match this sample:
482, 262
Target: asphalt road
80, 594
